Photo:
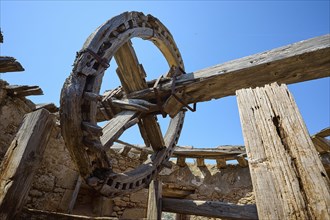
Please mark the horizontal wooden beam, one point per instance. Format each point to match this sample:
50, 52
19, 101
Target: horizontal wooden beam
40, 214
210, 209
208, 153
9, 64
298, 62
23, 90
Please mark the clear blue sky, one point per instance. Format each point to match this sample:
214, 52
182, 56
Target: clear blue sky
45, 35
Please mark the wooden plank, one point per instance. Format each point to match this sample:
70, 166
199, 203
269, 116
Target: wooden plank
21, 161
115, 127
9, 64
208, 153
24, 90
181, 161
132, 77
210, 209
323, 133
298, 62
153, 132
51, 107
182, 217
177, 193
41, 214
321, 144
75, 194
284, 165
155, 200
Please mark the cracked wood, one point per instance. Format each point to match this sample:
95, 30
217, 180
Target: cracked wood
284, 164
21, 161
298, 62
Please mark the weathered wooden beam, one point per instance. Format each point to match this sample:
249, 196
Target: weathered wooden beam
320, 142
75, 194
155, 200
200, 162
22, 160
323, 133
298, 62
41, 214
210, 209
182, 217
181, 161
284, 165
9, 64
115, 127
132, 77
208, 153
51, 107
221, 163
24, 90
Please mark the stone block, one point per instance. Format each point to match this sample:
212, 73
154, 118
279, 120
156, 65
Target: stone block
134, 213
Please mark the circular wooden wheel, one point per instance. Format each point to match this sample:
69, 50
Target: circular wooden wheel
81, 104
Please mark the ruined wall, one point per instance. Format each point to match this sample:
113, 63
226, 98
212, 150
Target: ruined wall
12, 111
57, 176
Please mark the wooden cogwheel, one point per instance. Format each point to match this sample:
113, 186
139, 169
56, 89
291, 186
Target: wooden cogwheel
82, 107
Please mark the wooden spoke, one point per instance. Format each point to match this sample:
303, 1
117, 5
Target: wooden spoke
129, 72
132, 77
116, 126
153, 132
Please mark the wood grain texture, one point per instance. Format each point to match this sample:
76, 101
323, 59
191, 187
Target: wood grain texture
41, 214
115, 127
284, 165
22, 160
9, 64
155, 200
210, 209
298, 62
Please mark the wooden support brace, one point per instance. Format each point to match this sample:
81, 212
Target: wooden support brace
285, 167
210, 209
22, 160
155, 200
181, 161
200, 162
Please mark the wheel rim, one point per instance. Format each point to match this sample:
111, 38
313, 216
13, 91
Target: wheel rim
80, 104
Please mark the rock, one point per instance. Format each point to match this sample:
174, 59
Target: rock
35, 193
140, 196
134, 213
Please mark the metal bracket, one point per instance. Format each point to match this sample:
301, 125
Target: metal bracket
193, 109
102, 61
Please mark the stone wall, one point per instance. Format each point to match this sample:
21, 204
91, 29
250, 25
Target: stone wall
12, 111
57, 176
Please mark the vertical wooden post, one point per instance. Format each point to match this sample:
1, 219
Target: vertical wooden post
288, 177
155, 200
75, 194
22, 160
